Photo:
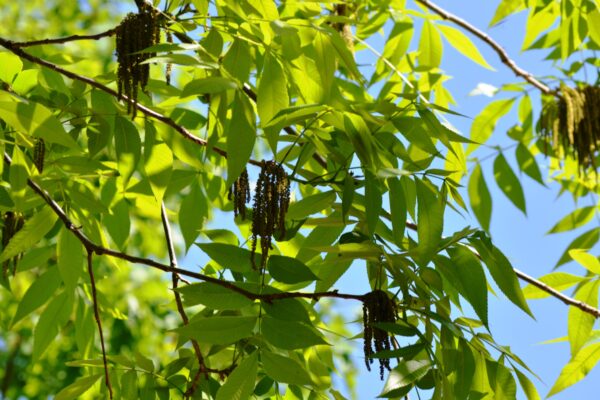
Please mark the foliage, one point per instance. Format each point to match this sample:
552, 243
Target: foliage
265, 100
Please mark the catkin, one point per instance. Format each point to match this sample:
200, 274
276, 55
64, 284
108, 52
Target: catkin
571, 124
135, 33
377, 308
271, 202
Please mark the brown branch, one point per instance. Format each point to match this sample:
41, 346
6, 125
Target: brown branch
504, 57
11, 46
98, 321
9, 368
66, 39
202, 369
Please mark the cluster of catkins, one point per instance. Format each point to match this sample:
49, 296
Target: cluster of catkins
377, 308
135, 33
271, 202
571, 123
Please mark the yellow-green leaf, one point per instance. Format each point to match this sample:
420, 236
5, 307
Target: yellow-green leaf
463, 45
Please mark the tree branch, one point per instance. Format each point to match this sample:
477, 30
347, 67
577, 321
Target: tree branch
98, 321
11, 46
504, 57
66, 39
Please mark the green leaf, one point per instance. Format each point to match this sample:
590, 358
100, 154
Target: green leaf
480, 198
158, 163
430, 220
128, 146
528, 164
502, 272
580, 323
373, 200
240, 384
118, 223
406, 373
193, 211
556, 280
42, 288
430, 46
240, 138
272, 90
594, 27
69, 253
505, 386
527, 386
509, 183
472, 280
287, 309
397, 208
310, 205
228, 256
484, 124
325, 61
11, 66
129, 385
463, 45
574, 219
213, 296
77, 388
37, 120
238, 60
504, 9
290, 335
19, 174
587, 260
54, 316
210, 85
293, 115
586, 240
289, 270
218, 330
33, 231
579, 366
284, 369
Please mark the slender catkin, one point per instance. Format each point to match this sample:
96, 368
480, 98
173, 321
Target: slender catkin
271, 202
11, 224
240, 194
377, 308
39, 153
135, 33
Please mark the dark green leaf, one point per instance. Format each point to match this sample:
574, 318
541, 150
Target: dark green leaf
405, 374
212, 296
289, 270
38, 293
69, 253
218, 330
480, 198
284, 369
241, 137
210, 85
228, 256
310, 205
430, 220
473, 285
240, 384
33, 231
54, 316
397, 209
290, 335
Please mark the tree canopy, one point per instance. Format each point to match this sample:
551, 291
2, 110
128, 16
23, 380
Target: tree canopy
136, 133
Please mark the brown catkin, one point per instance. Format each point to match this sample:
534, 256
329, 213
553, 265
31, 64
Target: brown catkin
271, 202
240, 194
136, 32
377, 308
12, 223
39, 153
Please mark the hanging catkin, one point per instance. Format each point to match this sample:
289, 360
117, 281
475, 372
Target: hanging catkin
135, 33
571, 124
271, 202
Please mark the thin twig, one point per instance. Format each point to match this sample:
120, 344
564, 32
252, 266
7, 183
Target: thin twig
9, 45
175, 281
98, 321
555, 293
504, 57
66, 39
9, 368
